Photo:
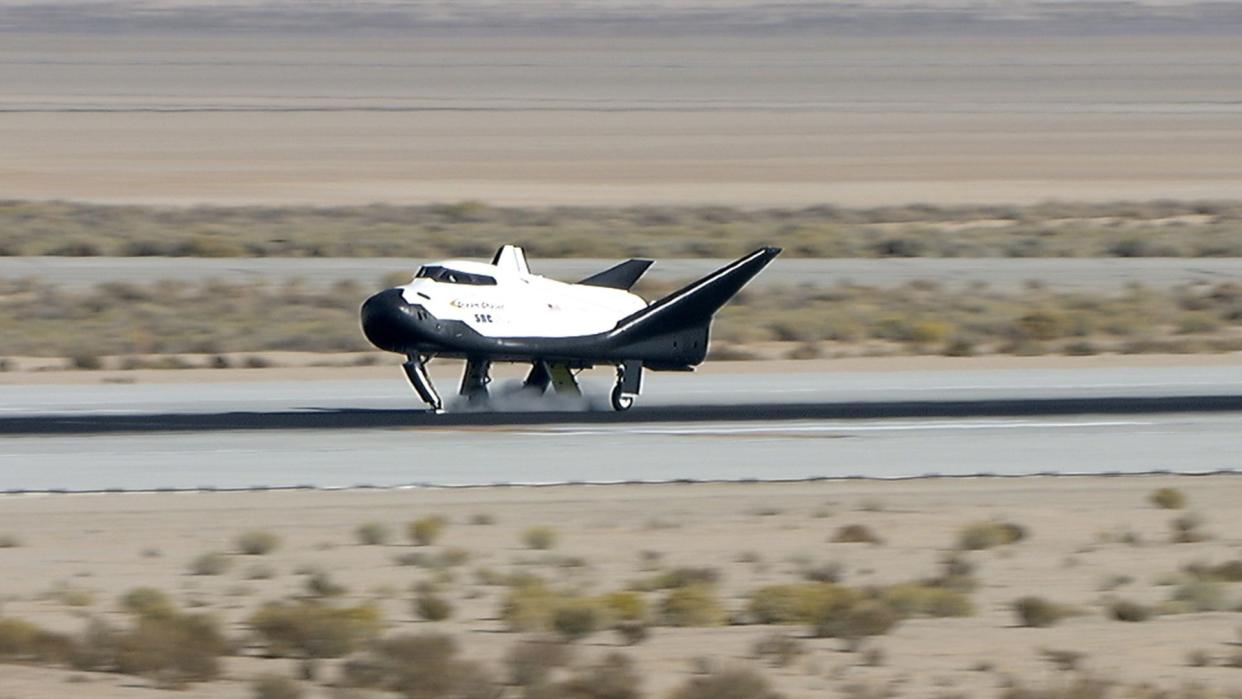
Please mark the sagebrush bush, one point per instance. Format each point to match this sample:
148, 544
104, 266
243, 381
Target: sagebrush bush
173, 650
681, 576
984, 535
1038, 612
624, 605
856, 534
320, 584
1167, 498
257, 542
373, 534
425, 531
577, 618
1188, 529
276, 687
419, 666
856, 621
540, 538
530, 663
147, 601
314, 630
613, 677
26, 642
692, 605
632, 632
1129, 610
778, 649
1199, 596
431, 607
918, 599
732, 683
211, 563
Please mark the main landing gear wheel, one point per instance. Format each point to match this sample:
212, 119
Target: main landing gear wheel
621, 401
629, 384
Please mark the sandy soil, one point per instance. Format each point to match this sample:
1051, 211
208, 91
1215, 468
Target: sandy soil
744, 121
107, 544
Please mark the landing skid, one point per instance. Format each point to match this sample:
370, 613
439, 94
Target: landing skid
416, 372
558, 376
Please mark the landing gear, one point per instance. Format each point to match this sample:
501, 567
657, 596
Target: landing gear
629, 385
415, 368
475, 379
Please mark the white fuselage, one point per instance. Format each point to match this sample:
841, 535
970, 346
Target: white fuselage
517, 304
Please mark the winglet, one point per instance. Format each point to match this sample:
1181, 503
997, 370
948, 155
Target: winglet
512, 258
623, 276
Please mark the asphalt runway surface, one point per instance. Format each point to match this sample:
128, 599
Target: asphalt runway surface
710, 427
1086, 274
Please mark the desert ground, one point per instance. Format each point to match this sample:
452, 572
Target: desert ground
749, 120
1088, 542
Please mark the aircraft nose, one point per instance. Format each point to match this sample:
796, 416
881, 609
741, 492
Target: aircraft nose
384, 316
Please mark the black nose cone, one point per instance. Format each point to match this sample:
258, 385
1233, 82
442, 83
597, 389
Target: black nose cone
386, 321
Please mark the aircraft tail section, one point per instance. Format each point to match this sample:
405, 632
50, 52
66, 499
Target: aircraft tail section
511, 257
695, 304
623, 276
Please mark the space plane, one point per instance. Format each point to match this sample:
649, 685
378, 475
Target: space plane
494, 312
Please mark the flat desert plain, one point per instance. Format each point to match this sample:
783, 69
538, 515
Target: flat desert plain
1088, 540
749, 120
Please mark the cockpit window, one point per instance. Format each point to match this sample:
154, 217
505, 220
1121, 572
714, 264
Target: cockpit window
453, 276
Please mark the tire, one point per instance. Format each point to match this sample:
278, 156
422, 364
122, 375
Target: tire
621, 402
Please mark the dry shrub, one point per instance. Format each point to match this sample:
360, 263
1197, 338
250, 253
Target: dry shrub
613, 677
9, 541
418, 666
778, 649
632, 632
531, 663
425, 531
540, 538
372, 534
1129, 610
431, 607
692, 605
1229, 571
276, 687
856, 534
320, 584
1036, 611
918, 599
314, 630
796, 603
1188, 529
257, 542
529, 605
577, 618
147, 601
23, 641
856, 622
1167, 498
682, 576
733, 683
1198, 596
173, 649
985, 535
625, 605
211, 563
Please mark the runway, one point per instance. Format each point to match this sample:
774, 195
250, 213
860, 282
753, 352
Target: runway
717, 426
